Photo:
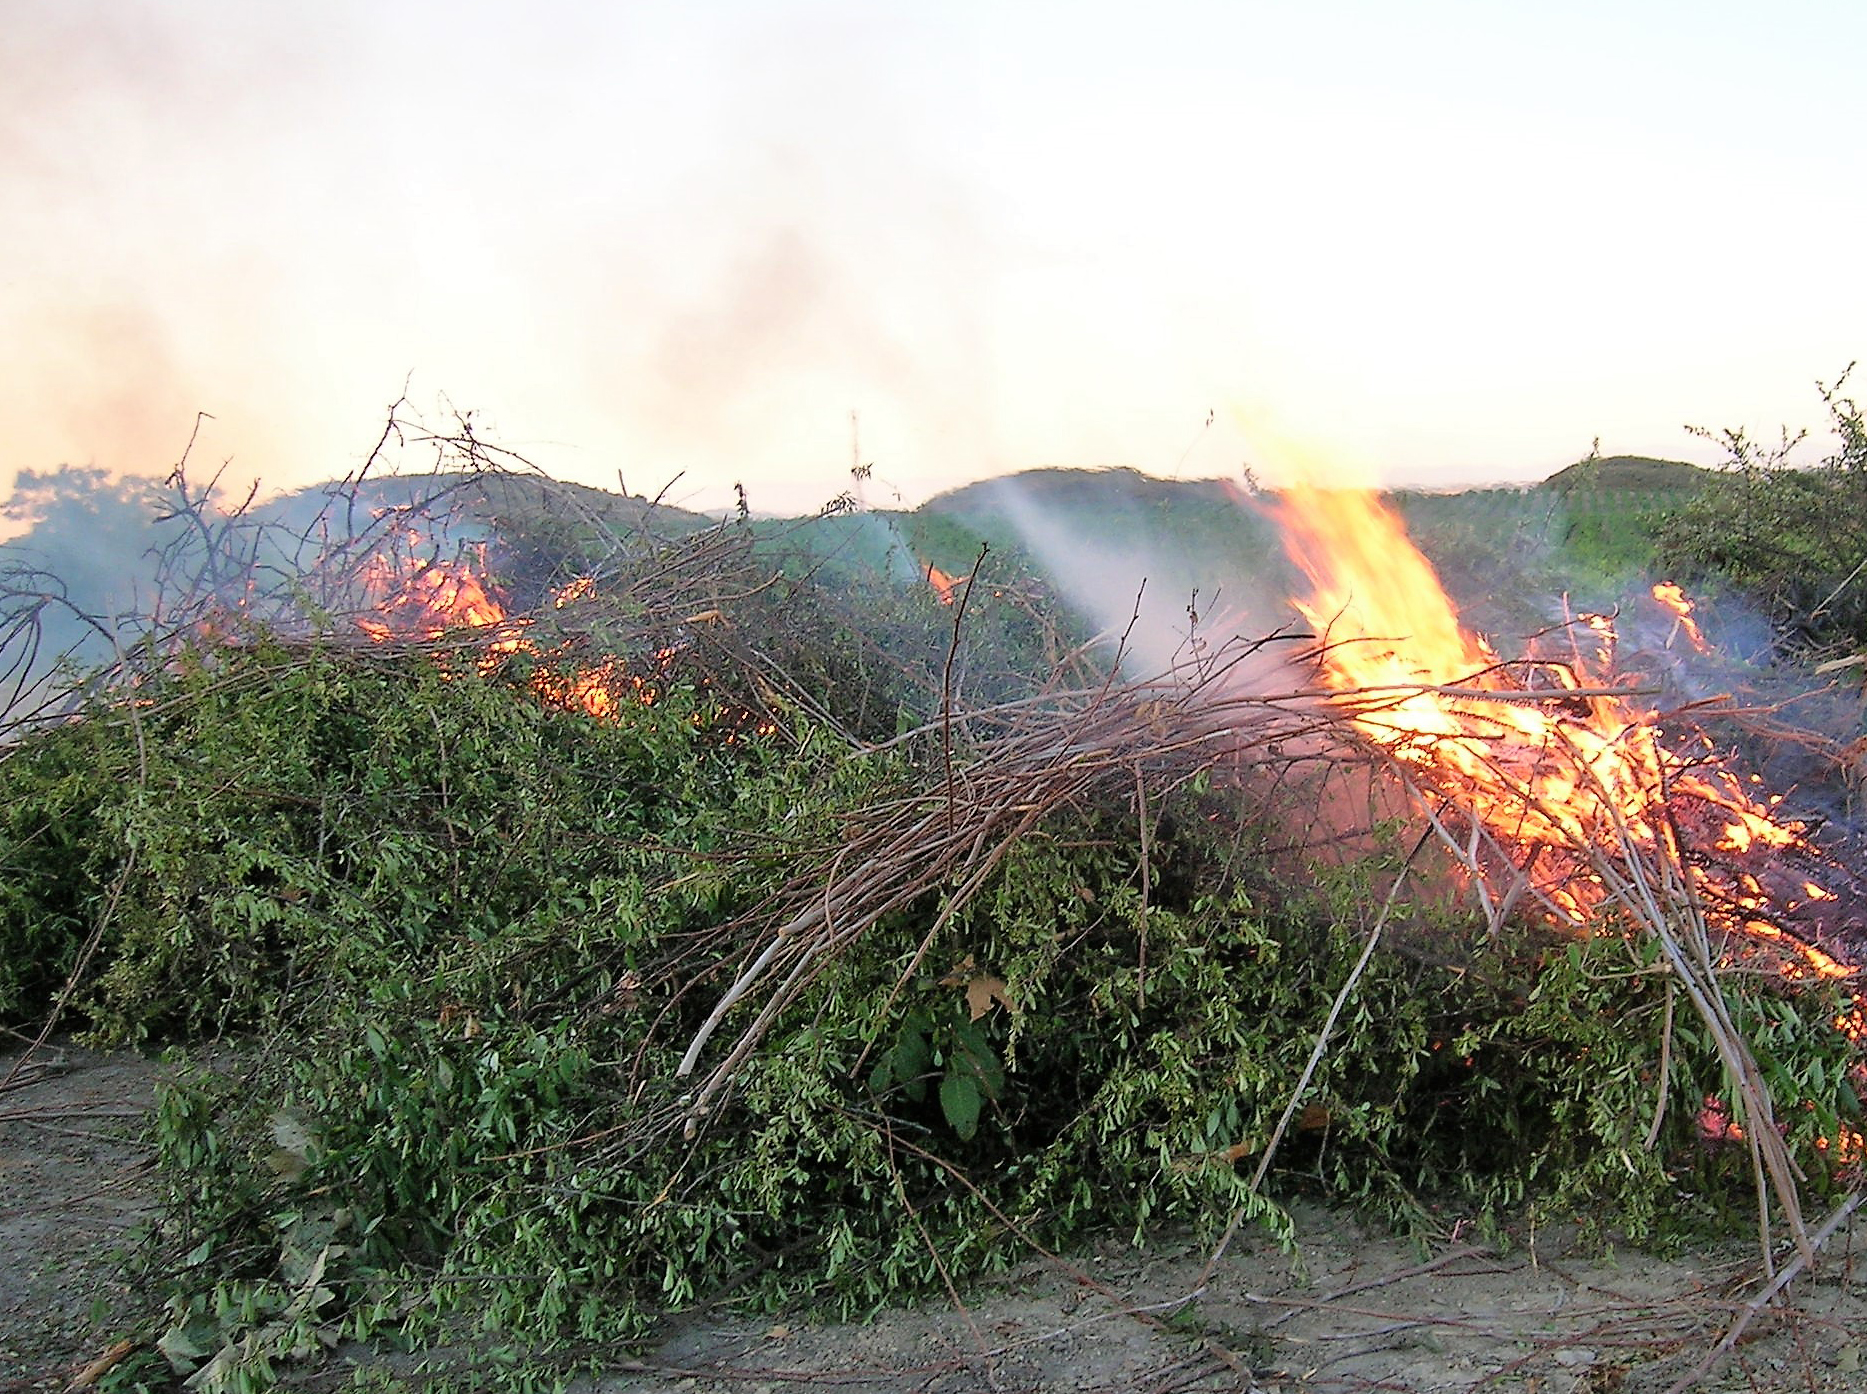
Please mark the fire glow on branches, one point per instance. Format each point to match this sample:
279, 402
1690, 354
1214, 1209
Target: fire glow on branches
412, 598
1546, 757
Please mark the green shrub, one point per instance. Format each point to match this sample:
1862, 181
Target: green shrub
1792, 540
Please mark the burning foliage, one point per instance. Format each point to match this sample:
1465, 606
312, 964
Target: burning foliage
1552, 783
1551, 758
944, 586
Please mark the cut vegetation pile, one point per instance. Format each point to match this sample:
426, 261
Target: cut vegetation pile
850, 946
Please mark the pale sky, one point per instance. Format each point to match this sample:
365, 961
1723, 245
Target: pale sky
1450, 242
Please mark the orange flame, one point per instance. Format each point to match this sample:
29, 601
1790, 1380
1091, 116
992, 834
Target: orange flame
598, 690
416, 599
1716, 1125
426, 600
1438, 696
1539, 755
1674, 599
944, 585
1579, 770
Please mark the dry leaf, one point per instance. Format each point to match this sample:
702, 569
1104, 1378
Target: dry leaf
983, 991
103, 1365
1153, 714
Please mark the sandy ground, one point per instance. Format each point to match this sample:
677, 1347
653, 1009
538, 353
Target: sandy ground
1352, 1310
73, 1188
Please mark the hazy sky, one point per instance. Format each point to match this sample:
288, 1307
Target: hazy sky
1452, 241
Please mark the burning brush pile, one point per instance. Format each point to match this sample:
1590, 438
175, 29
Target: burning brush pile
667, 923
1550, 783
399, 568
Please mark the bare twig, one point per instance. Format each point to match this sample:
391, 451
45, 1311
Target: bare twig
1748, 1313
946, 682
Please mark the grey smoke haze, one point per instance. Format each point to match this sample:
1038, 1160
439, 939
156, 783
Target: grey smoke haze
78, 579
715, 239
101, 563
656, 239
1140, 585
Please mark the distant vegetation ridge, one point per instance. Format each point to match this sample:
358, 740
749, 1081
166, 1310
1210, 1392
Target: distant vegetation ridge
1629, 474
1059, 487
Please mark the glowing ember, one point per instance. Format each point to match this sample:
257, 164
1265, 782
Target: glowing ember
1852, 1023
1849, 1147
580, 589
1674, 599
414, 599
944, 586
1814, 961
599, 690
1716, 1125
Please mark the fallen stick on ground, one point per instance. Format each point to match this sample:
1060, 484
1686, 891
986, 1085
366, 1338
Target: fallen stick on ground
1749, 1312
101, 1366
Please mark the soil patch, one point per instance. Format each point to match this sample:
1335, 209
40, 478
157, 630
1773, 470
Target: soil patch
74, 1185
1351, 1309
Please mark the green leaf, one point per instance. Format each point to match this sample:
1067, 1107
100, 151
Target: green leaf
960, 1101
182, 1347
975, 1056
913, 1058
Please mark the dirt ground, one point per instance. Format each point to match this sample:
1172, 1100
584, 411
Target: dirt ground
73, 1188
1352, 1310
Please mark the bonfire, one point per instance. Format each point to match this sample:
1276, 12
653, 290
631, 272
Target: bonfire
1564, 796
1547, 777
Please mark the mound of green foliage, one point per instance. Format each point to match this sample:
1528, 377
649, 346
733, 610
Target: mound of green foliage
439, 948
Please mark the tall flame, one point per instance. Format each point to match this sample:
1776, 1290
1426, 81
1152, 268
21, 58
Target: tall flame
1438, 696
1532, 753
1539, 755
